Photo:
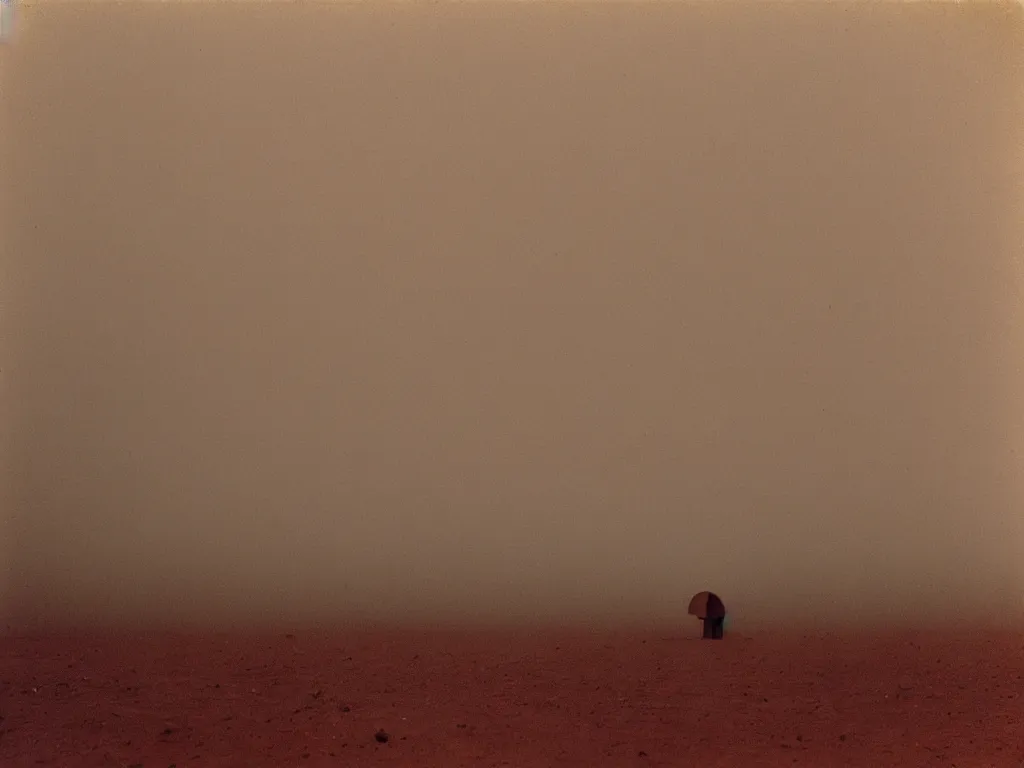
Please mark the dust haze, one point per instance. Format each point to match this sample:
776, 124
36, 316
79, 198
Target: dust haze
500, 313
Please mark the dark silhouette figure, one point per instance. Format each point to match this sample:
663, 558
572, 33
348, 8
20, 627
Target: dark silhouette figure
709, 608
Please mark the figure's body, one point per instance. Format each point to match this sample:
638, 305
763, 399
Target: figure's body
714, 627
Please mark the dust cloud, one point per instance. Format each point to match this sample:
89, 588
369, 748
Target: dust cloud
512, 312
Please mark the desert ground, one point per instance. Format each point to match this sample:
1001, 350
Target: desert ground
516, 698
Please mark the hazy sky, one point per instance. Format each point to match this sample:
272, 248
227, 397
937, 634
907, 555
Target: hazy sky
510, 311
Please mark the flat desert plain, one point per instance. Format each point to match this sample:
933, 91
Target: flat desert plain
513, 698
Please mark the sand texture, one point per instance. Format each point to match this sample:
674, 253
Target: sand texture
518, 699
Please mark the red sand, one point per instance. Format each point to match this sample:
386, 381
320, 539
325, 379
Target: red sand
483, 699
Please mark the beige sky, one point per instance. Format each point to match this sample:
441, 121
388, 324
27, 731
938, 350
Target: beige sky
508, 312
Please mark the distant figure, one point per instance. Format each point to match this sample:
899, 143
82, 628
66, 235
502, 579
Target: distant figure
709, 608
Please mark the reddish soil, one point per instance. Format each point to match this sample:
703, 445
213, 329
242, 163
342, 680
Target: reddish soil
489, 699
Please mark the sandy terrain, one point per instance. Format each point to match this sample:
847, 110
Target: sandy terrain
518, 699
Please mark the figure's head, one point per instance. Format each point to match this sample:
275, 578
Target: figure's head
707, 605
